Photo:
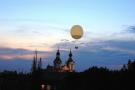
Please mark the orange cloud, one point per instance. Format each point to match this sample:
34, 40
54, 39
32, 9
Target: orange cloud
22, 56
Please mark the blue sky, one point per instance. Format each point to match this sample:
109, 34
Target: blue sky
90, 13
45, 25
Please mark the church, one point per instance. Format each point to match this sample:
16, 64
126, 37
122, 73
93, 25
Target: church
57, 66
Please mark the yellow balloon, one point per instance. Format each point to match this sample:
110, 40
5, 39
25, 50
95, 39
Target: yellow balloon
76, 32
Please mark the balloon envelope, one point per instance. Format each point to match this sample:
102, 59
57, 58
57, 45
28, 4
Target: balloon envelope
76, 32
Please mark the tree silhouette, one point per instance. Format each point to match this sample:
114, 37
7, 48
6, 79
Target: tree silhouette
94, 78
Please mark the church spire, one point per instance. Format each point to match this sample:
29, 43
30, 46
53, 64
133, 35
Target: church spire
70, 54
58, 52
33, 65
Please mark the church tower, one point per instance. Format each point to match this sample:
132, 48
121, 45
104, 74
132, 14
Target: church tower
40, 64
70, 62
34, 64
57, 62
37, 64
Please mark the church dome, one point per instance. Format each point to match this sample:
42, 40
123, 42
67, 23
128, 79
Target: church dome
70, 60
57, 59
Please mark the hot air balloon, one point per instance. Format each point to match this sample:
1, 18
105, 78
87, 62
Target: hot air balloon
76, 33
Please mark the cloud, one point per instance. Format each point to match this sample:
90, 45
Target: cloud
110, 53
111, 50
22, 34
37, 28
21, 59
64, 40
39, 45
17, 53
131, 29
96, 46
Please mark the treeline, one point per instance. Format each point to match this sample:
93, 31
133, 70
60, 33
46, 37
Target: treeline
102, 79
94, 78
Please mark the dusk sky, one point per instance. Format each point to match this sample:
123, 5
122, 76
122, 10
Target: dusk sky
44, 25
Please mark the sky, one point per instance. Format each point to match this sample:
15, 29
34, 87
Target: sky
44, 25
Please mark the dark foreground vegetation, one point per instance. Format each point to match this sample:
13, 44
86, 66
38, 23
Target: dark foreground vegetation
92, 79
